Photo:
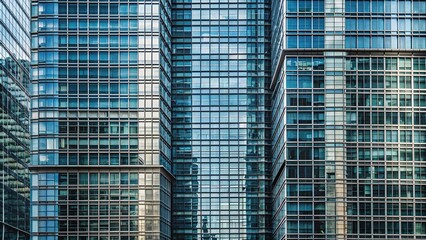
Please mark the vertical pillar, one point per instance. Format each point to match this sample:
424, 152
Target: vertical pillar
335, 119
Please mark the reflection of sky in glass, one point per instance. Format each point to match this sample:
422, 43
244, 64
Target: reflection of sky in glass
224, 133
14, 120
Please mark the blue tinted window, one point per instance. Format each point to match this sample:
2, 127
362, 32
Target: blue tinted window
378, 6
350, 42
318, 42
305, 41
292, 6
363, 5
305, 82
318, 23
292, 24
318, 5
291, 81
292, 41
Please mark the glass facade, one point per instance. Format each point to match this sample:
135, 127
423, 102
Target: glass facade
348, 134
220, 120
14, 119
101, 121
297, 119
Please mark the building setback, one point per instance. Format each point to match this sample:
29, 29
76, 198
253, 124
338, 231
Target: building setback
101, 145
14, 119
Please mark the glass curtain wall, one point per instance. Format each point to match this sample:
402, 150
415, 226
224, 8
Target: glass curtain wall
14, 119
347, 109
220, 120
101, 145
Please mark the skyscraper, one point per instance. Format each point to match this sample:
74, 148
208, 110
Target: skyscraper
296, 119
348, 109
220, 120
14, 119
101, 145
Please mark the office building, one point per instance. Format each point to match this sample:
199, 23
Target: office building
348, 107
220, 120
14, 119
101, 145
296, 119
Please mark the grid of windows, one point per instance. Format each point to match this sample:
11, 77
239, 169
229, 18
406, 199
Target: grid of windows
299, 103
385, 24
219, 120
305, 24
14, 119
347, 139
101, 99
385, 139
114, 205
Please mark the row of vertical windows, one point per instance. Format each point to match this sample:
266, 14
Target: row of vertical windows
389, 63
305, 100
385, 24
84, 103
304, 64
390, 136
305, 190
95, 143
86, 159
92, 8
86, 88
101, 41
305, 135
301, 117
98, 178
383, 227
112, 127
102, 225
305, 208
393, 42
359, 172
305, 24
47, 179
305, 171
305, 6
305, 41
86, 72
388, 154
70, 236
48, 25
392, 209
112, 57
218, 14
389, 172
305, 153
386, 116
385, 6
373, 81
85, 143
388, 100
304, 81
389, 190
